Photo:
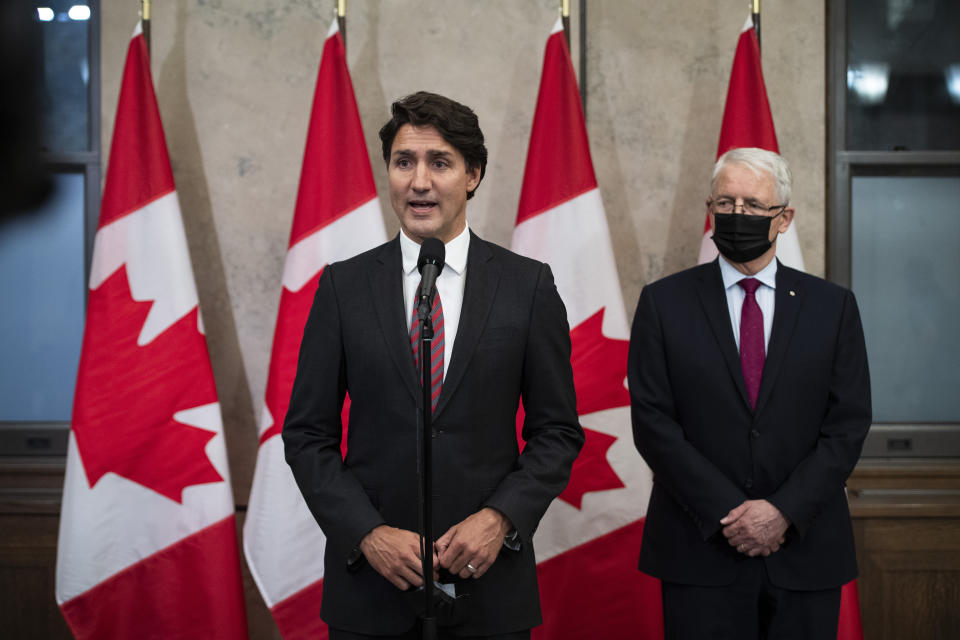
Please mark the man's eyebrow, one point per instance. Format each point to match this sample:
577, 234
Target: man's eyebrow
430, 152
727, 196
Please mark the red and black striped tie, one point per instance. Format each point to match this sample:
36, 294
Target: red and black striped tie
436, 355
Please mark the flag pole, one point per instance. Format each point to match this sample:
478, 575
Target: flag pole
342, 21
756, 19
145, 21
582, 18
565, 18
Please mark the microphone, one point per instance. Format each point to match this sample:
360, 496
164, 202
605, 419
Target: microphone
430, 264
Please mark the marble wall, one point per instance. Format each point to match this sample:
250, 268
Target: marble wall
235, 81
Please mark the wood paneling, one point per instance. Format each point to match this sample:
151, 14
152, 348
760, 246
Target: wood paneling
906, 518
907, 523
30, 491
29, 515
27, 561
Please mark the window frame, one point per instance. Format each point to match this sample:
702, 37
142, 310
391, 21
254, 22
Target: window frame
20, 439
885, 440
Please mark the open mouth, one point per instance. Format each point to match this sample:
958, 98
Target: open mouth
422, 206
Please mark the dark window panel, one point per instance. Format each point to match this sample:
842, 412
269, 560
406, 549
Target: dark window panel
903, 75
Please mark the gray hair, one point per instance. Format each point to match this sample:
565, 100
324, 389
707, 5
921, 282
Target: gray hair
758, 160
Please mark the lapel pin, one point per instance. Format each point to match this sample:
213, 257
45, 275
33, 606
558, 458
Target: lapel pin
792, 292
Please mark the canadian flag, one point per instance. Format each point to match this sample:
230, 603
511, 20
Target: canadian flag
747, 122
148, 542
337, 216
588, 541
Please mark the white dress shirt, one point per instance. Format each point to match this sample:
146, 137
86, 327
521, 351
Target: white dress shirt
450, 285
765, 295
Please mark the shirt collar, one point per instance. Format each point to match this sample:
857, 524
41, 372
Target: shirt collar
455, 251
767, 275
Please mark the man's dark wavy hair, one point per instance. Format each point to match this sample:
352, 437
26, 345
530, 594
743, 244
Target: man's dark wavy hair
456, 123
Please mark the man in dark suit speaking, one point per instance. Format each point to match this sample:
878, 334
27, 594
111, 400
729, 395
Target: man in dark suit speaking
501, 336
751, 399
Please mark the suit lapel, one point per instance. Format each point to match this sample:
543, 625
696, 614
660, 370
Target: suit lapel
713, 297
789, 299
386, 281
478, 295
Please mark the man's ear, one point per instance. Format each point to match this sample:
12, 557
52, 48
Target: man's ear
473, 179
785, 219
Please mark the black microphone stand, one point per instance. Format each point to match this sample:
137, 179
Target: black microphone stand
426, 463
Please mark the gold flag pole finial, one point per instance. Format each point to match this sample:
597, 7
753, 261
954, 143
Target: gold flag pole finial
342, 20
145, 21
756, 18
565, 19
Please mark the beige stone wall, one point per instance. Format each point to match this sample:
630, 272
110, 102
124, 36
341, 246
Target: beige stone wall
235, 80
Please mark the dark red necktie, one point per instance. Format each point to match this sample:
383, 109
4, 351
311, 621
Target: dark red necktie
752, 351
436, 354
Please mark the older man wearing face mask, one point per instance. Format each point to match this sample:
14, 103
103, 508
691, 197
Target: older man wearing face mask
751, 398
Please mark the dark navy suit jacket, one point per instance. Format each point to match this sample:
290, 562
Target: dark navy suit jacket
709, 451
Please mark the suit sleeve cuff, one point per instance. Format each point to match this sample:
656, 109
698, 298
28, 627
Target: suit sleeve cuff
798, 526
512, 540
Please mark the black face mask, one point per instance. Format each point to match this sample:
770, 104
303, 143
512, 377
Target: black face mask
740, 237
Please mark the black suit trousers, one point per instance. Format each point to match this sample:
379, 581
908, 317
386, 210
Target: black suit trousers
751, 607
416, 632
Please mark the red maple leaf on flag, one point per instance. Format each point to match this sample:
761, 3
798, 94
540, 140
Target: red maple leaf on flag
128, 394
591, 471
599, 367
599, 371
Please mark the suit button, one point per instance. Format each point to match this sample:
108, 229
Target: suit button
754, 433
748, 483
